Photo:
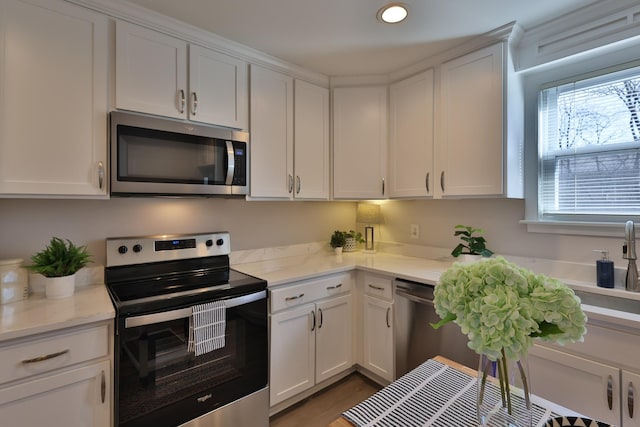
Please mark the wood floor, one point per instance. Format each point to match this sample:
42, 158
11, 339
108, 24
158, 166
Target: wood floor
325, 406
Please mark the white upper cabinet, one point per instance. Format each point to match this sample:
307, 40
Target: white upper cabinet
311, 140
151, 71
151, 77
360, 142
218, 88
411, 136
53, 99
271, 134
480, 142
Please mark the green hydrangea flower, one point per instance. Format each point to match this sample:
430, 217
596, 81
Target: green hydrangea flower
503, 307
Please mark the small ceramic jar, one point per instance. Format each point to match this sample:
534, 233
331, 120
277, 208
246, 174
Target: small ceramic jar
14, 281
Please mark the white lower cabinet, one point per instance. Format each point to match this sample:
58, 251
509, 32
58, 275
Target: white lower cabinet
582, 385
58, 379
76, 397
630, 383
311, 341
378, 338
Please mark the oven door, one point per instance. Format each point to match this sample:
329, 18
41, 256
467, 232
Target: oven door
160, 383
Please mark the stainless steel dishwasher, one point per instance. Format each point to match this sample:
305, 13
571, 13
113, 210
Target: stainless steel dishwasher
416, 341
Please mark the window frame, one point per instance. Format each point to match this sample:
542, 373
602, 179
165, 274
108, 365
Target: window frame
590, 64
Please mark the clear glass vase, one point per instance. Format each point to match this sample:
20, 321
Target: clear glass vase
504, 395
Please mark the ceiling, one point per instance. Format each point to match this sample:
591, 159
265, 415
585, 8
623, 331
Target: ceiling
343, 37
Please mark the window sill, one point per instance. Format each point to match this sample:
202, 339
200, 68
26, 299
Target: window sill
601, 229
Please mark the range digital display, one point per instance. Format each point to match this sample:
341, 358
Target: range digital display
170, 245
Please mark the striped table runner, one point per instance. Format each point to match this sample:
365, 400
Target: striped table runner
433, 394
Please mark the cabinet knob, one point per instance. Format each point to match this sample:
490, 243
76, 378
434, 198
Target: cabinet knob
426, 181
313, 324
181, 101
101, 175
298, 184
388, 312
610, 392
442, 181
194, 103
290, 183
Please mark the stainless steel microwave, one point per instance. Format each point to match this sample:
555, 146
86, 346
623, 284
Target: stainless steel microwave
154, 156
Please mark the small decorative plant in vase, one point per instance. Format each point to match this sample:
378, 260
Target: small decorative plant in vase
472, 243
59, 261
502, 308
338, 239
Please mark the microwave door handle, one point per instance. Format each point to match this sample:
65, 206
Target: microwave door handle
231, 163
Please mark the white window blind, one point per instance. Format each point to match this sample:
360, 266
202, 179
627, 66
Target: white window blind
589, 147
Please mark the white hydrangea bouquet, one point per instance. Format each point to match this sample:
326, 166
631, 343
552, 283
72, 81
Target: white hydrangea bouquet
502, 308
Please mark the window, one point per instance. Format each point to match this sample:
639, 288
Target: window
589, 147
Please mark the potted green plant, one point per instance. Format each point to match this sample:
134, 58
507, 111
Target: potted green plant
58, 262
472, 243
338, 240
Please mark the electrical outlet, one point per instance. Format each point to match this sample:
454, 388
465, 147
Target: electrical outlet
415, 231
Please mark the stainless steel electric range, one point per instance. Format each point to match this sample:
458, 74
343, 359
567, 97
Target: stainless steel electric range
157, 284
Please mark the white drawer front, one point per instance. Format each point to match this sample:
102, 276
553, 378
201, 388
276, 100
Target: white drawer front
53, 352
377, 286
308, 291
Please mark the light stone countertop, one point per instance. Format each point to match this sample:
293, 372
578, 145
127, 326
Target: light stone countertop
37, 314
280, 271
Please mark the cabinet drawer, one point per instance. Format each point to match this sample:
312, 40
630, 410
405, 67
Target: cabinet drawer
307, 291
377, 286
52, 352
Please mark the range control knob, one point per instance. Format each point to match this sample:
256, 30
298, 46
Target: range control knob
122, 249
209, 243
219, 242
137, 247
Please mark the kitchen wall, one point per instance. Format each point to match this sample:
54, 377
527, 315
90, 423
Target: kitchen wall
26, 225
500, 220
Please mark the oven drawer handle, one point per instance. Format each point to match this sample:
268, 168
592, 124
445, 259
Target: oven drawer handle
294, 297
46, 357
149, 319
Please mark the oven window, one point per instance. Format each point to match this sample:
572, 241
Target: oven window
146, 155
161, 383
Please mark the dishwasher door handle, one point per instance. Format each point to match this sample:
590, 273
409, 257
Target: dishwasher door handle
406, 293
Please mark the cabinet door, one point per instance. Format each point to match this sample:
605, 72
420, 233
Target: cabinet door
359, 142
578, 384
151, 71
311, 141
411, 136
218, 88
470, 148
271, 115
78, 397
292, 364
333, 337
630, 399
378, 337
53, 99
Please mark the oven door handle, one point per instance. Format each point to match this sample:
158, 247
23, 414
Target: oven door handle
165, 316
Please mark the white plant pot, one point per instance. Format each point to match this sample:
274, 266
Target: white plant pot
350, 244
60, 287
468, 259
338, 250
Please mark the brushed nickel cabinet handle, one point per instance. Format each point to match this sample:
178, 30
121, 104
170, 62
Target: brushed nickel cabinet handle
388, 312
298, 184
321, 318
181, 101
630, 399
194, 103
426, 181
334, 287
290, 183
46, 357
383, 186
103, 387
294, 297
313, 325
442, 180
610, 392
101, 175
377, 288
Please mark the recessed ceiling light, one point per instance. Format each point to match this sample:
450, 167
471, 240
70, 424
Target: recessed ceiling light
392, 13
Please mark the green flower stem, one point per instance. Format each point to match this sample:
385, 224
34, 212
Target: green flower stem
485, 372
503, 372
525, 385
